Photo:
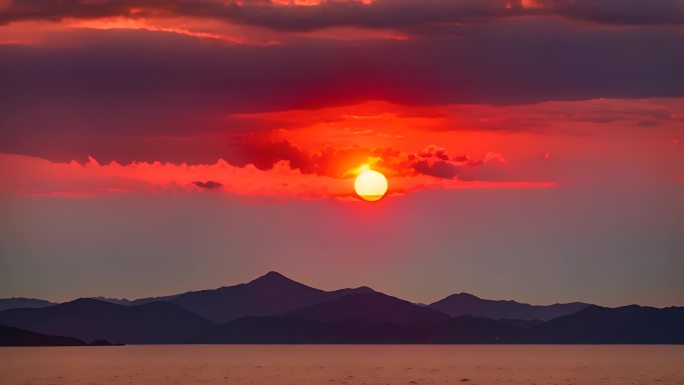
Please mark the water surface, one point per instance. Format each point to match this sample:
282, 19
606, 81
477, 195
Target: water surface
343, 365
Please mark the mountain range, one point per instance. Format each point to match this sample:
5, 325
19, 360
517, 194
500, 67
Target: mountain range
270, 294
276, 309
273, 294
467, 304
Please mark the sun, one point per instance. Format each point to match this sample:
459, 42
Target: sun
370, 185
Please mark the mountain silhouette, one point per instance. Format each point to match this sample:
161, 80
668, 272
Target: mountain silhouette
371, 307
273, 330
18, 302
133, 302
118, 301
467, 329
89, 319
10, 336
625, 325
631, 325
270, 294
289, 330
467, 304
276, 309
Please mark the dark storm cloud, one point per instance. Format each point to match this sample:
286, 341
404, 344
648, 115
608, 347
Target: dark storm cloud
439, 169
626, 12
433, 152
435, 161
329, 161
336, 162
209, 185
386, 14
513, 63
264, 154
408, 15
124, 95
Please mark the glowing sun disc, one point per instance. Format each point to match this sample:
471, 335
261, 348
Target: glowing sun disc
370, 185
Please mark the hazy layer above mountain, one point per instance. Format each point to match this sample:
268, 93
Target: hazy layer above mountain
16, 303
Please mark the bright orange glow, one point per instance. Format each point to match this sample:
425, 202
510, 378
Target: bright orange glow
30, 176
370, 185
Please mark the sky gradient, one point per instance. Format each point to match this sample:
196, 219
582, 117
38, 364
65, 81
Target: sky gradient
533, 148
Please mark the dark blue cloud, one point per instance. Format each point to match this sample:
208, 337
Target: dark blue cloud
114, 91
208, 185
386, 14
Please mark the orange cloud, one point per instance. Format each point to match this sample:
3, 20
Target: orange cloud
145, 24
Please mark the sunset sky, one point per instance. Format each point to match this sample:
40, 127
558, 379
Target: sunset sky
534, 148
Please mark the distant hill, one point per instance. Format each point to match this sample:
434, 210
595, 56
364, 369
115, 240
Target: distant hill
272, 330
467, 329
90, 319
10, 336
625, 325
288, 330
370, 307
468, 304
141, 301
630, 325
270, 294
118, 301
15, 303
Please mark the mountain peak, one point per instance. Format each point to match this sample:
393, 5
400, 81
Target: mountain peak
274, 273
464, 294
272, 276
86, 301
363, 289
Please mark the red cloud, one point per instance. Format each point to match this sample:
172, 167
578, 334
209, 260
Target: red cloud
38, 177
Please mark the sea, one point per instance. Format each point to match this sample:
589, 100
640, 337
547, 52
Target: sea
344, 365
